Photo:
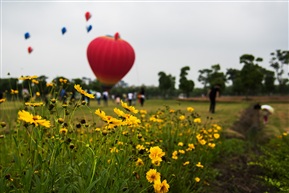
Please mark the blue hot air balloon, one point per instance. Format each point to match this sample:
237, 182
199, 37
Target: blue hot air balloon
27, 35
63, 30
88, 28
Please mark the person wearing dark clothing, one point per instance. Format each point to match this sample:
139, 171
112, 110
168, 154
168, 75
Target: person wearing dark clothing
105, 97
142, 96
214, 92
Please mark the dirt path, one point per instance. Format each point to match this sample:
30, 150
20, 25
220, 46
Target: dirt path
235, 175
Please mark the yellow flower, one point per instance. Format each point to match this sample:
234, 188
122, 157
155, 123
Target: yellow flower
119, 143
197, 179
161, 187
191, 146
35, 81
100, 113
197, 120
2, 100
139, 162
199, 165
29, 118
143, 112
129, 108
182, 117
49, 84
81, 91
113, 149
34, 104
155, 119
43, 122
212, 145
78, 88
190, 109
14, 91
156, 153
131, 120
37, 94
63, 131
180, 144
62, 80
216, 136
202, 142
182, 151
152, 175
174, 155
140, 147
28, 77
60, 120
186, 163
199, 136
119, 112
112, 121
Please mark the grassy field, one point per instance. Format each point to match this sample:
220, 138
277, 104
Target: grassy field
68, 158
227, 111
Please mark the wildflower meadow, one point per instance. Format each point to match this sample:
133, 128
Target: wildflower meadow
52, 146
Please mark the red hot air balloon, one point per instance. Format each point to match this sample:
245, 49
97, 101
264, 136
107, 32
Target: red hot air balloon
110, 58
87, 16
30, 49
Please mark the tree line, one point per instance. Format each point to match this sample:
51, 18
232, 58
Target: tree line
251, 79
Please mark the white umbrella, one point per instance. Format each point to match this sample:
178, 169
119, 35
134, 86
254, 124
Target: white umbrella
268, 108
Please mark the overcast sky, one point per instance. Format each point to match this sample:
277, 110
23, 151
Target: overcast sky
166, 36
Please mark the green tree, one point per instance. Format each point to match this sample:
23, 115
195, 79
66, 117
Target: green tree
217, 77
234, 76
211, 77
269, 79
6, 84
187, 86
279, 60
251, 74
166, 83
204, 77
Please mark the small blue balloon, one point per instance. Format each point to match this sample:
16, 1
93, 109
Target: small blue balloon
63, 30
88, 28
27, 35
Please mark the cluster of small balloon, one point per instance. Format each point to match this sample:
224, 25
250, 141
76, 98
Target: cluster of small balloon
27, 36
87, 17
88, 28
63, 30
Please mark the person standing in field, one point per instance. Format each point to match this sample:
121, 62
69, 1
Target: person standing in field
98, 97
213, 93
105, 97
142, 96
130, 97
